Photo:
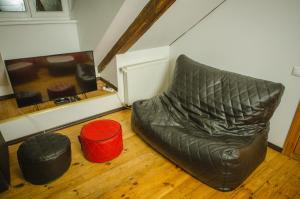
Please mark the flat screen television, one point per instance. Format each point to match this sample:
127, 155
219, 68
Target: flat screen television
40, 79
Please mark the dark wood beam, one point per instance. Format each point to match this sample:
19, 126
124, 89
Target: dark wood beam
147, 17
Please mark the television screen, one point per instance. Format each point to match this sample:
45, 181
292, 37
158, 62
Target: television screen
39, 79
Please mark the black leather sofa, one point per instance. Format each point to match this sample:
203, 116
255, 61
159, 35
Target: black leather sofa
212, 123
4, 165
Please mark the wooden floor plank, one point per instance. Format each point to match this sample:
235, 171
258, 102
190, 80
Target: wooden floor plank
184, 189
141, 172
258, 178
163, 177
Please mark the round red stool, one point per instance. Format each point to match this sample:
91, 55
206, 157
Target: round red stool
101, 140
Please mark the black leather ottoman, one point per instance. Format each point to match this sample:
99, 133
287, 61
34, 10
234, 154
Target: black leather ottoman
45, 157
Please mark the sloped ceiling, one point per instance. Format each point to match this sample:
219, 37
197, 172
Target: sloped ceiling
179, 17
93, 19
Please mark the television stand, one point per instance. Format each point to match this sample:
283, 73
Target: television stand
64, 100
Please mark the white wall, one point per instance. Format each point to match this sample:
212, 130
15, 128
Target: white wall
177, 19
31, 40
259, 38
94, 17
125, 16
181, 16
110, 72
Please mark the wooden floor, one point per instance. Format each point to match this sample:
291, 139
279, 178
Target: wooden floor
140, 172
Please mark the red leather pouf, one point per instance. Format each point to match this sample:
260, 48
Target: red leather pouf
101, 140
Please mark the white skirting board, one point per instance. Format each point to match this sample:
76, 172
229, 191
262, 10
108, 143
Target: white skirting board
43, 120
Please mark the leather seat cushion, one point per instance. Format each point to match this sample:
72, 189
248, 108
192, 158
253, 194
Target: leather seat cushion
212, 123
44, 157
219, 161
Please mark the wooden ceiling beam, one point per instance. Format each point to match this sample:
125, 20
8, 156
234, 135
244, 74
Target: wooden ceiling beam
147, 17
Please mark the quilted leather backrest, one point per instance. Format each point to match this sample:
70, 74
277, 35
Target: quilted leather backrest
220, 95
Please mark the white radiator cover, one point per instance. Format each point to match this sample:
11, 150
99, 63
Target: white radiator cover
145, 80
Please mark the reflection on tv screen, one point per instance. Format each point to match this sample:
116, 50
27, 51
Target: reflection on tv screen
40, 79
